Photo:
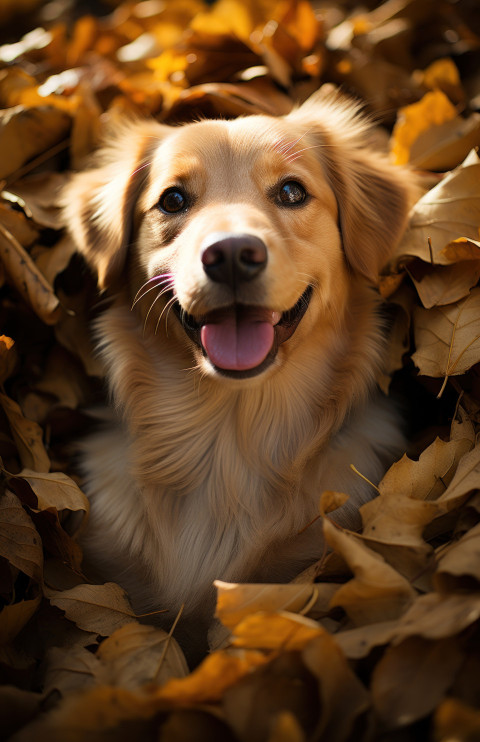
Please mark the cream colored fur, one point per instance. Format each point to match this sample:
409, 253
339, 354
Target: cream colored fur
198, 476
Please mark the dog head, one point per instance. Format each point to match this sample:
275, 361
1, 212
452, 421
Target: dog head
250, 231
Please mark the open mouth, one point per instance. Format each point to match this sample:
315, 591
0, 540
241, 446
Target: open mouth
241, 341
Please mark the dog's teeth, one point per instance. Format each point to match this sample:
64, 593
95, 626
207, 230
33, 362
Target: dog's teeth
276, 317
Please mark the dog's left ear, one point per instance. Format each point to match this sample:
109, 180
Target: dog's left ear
99, 202
373, 196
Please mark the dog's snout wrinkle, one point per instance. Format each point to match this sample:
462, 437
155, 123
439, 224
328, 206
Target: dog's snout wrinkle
231, 258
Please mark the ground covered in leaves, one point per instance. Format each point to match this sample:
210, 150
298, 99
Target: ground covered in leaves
381, 639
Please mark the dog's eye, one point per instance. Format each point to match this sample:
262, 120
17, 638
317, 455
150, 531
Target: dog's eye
172, 201
292, 193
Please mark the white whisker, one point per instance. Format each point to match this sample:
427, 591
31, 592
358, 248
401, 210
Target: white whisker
168, 305
162, 278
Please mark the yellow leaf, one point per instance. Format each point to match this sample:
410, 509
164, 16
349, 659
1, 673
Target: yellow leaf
461, 249
285, 631
210, 680
433, 109
441, 72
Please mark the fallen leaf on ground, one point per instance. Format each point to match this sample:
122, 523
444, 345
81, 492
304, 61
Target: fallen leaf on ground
377, 591
99, 608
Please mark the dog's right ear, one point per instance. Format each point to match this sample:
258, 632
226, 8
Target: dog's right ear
99, 202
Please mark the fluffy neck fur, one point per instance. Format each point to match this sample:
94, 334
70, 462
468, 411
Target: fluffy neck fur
237, 469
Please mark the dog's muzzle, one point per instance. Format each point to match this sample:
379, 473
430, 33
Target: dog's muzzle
240, 340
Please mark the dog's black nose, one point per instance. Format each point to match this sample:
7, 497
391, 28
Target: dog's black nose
233, 258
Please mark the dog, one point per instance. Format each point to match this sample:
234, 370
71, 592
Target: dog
242, 341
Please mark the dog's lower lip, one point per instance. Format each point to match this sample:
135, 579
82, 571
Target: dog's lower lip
284, 326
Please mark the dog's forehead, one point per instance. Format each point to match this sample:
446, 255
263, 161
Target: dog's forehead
208, 145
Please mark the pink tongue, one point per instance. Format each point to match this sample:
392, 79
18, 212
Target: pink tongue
238, 344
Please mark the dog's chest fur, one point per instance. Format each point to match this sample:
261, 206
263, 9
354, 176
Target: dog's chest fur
194, 481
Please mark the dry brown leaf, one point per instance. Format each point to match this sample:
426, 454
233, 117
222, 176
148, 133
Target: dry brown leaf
465, 481
377, 592
15, 616
409, 499
412, 678
448, 211
16, 223
427, 478
444, 284
131, 657
445, 146
136, 654
55, 490
453, 613
393, 527
27, 435
20, 542
70, 669
460, 559
343, 698
99, 608
237, 601
358, 642
27, 279
25, 132
39, 196
447, 338
252, 705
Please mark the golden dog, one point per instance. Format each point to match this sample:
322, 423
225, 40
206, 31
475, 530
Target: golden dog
241, 344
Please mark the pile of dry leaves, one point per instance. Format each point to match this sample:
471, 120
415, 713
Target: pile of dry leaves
381, 639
